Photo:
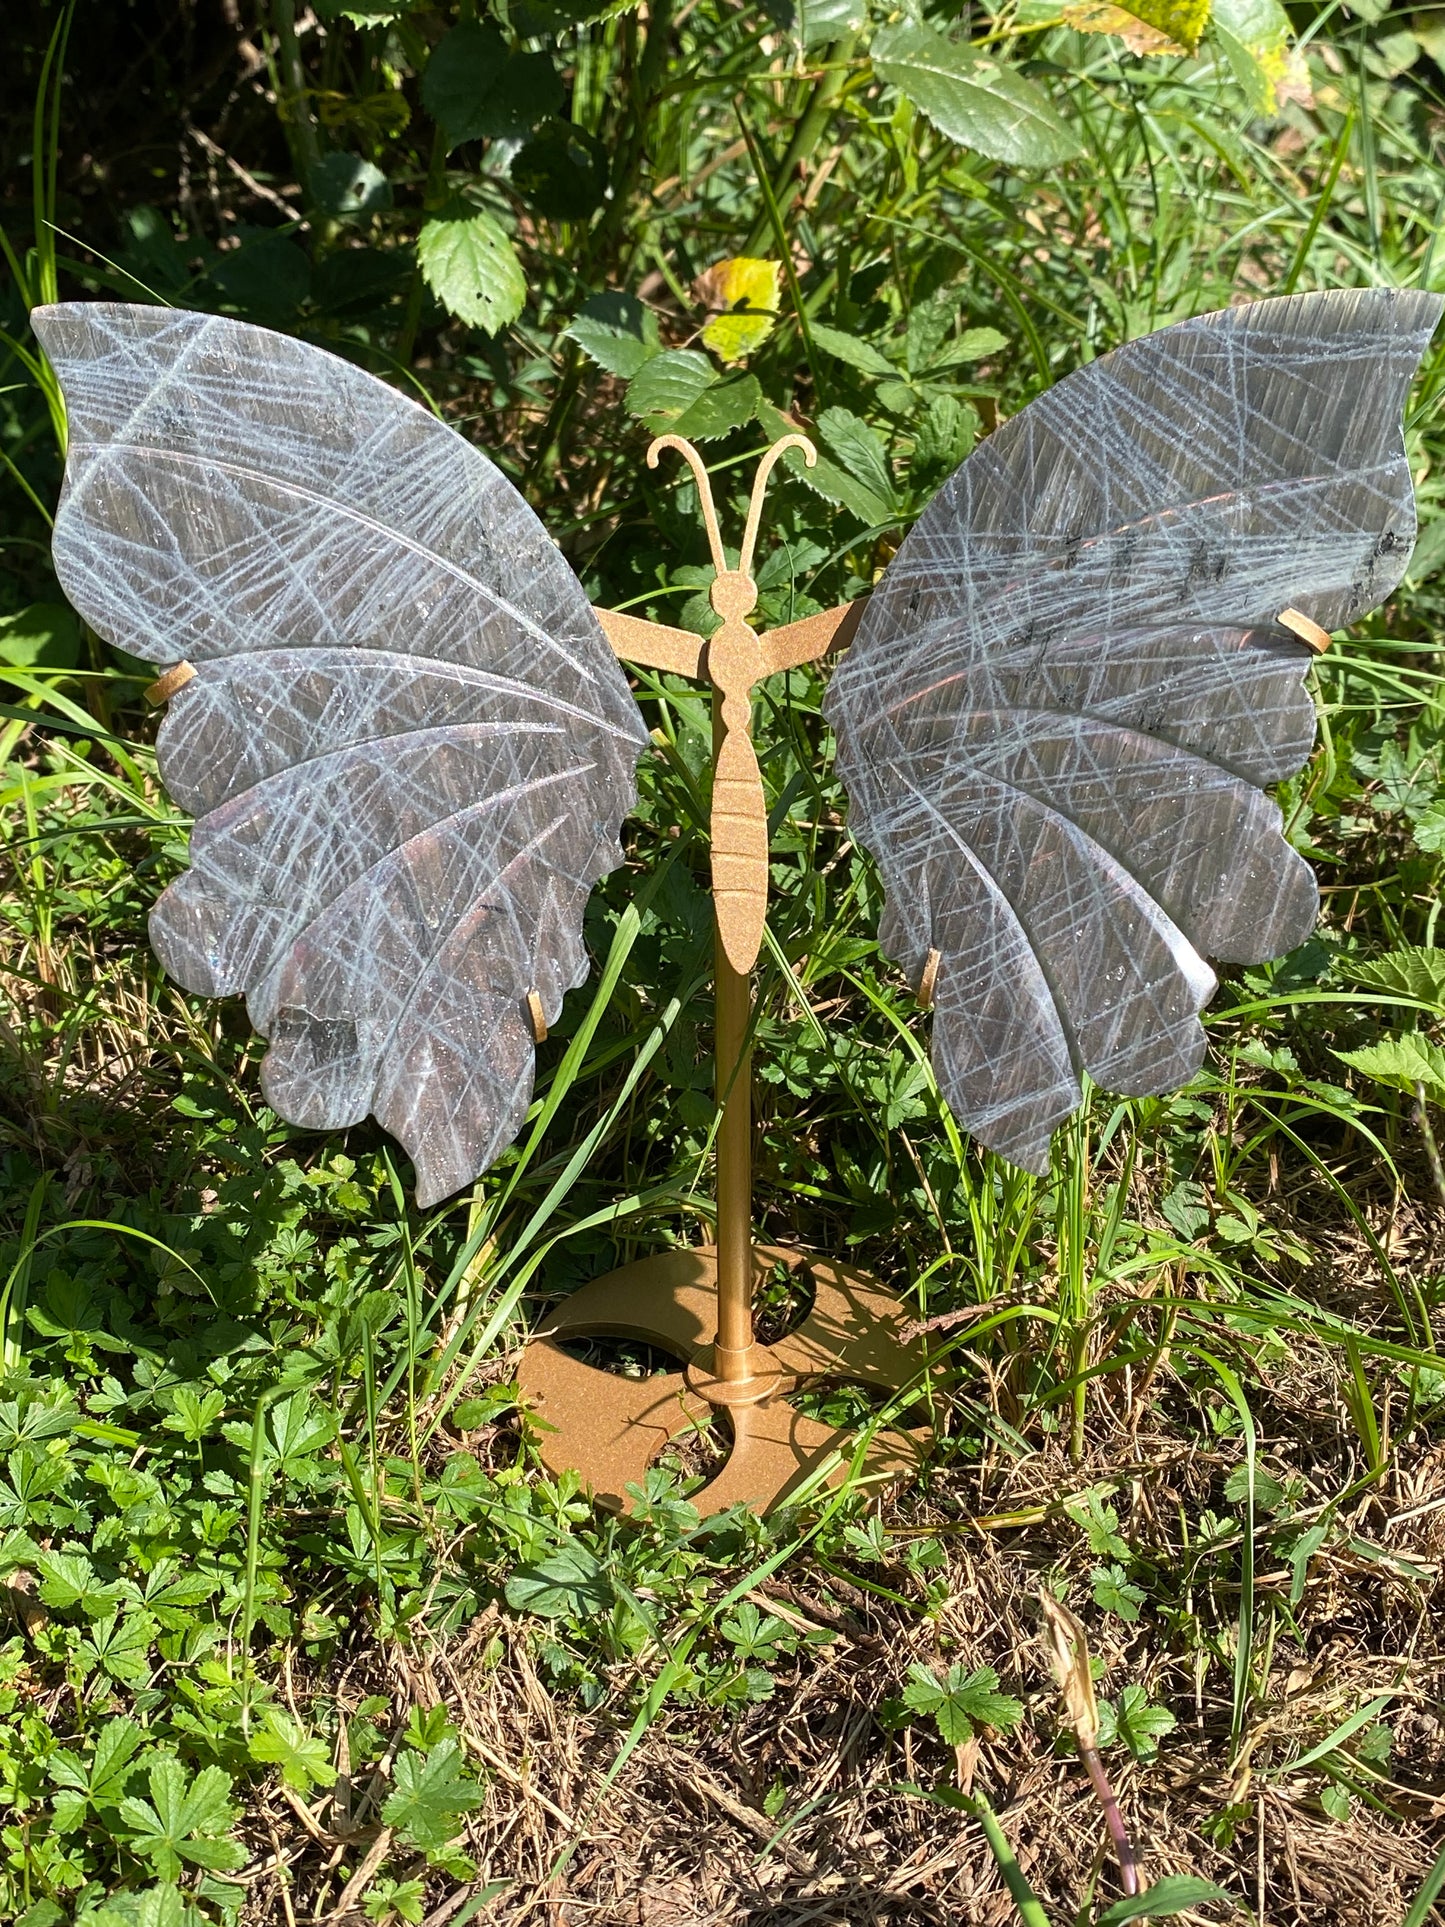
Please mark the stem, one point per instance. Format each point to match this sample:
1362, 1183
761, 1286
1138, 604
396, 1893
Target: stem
1432, 1149
433, 196
785, 253
1113, 1819
301, 134
810, 130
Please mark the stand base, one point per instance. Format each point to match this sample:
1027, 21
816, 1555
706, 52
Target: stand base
610, 1428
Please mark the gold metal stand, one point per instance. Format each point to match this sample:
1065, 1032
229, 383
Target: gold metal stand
697, 1305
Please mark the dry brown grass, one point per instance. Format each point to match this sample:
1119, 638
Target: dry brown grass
680, 1837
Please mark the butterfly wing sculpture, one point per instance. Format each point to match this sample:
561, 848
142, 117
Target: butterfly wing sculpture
1063, 700
407, 743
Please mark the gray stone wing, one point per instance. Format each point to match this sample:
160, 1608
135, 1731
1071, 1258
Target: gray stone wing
1064, 696
408, 745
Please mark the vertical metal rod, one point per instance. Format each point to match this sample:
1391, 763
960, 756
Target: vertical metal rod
734, 1084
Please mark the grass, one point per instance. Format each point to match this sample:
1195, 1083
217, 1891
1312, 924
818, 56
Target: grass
297, 1628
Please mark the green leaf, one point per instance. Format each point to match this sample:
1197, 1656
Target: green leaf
302, 1757
472, 268
120, 1646
102, 1780
1114, 1593
617, 331
1268, 1492
974, 344
68, 1579
861, 449
569, 1585
1429, 829
1402, 1063
679, 392
1336, 1803
813, 23
430, 1796
666, 386
184, 1820
726, 405
1138, 1723
1100, 1522
961, 1701
1176, 1893
973, 98
45, 635
849, 349
475, 90
562, 171
343, 184
945, 436
1256, 37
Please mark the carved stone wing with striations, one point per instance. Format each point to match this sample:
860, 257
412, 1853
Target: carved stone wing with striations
1065, 696
408, 744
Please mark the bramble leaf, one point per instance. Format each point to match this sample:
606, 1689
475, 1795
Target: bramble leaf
973, 97
471, 267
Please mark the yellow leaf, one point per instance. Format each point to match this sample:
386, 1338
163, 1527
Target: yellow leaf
747, 290
742, 282
1145, 26
733, 337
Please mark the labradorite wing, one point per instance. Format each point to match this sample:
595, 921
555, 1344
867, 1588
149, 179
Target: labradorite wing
408, 746
1067, 694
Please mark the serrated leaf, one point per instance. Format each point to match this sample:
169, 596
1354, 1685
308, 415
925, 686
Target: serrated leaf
1140, 1724
568, 1585
562, 171
720, 409
344, 184
813, 23
101, 1780
1268, 1492
471, 267
1256, 38
1145, 26
974, 344
961, 1701
183, 1820
1115, 1593
476, 90
68, 1579
120, 1646
861, 450
1402, 1063
945, 436
679, 392
617, 331
667, 385
733, 337
973, 98
836, 485
1428, 829
861, 355
430, 1796
283, 1742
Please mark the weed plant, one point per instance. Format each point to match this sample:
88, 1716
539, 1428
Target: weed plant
296, 1626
